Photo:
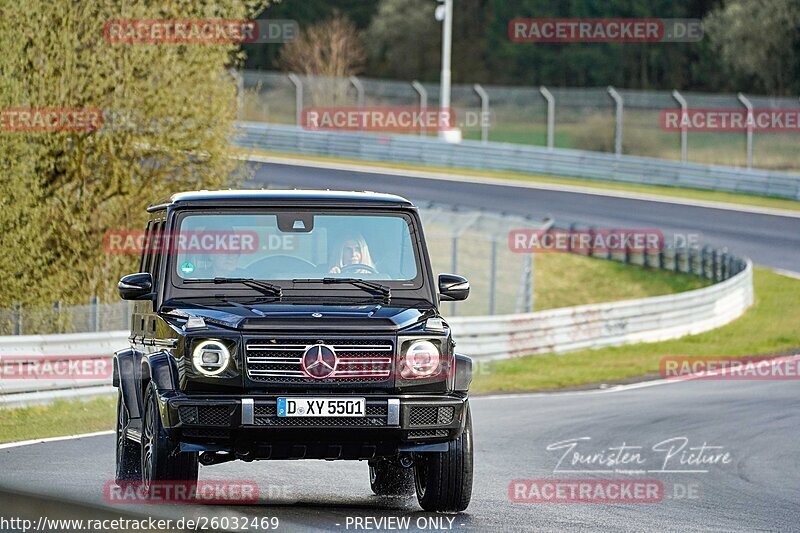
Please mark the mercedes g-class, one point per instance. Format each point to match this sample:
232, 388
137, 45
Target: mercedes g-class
293, 325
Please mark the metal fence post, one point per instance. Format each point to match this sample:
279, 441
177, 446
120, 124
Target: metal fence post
298, 98
528, 288
17, 314
749, 106
94, 313
423, 100
493, 278
684, 127
57, 315
484, 96
617, 120
360, 98
551, 116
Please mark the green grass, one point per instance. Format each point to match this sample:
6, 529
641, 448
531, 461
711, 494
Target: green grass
564, 280
672, 192
769, 326
56, 419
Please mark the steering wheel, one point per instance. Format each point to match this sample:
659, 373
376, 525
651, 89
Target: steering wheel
359, 268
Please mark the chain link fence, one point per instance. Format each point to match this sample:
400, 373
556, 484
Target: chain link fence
464, 241
596, 119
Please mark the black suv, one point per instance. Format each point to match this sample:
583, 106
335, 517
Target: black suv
293, 325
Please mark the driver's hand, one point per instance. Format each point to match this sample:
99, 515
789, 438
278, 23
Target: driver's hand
335, 270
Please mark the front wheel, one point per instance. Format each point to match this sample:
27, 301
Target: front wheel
161, 460
387, 479
444, 480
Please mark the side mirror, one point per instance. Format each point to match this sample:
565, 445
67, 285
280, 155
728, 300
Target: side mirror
452, 287
135, 286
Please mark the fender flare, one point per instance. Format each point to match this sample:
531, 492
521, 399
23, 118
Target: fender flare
126, 376
463, 373
161, 369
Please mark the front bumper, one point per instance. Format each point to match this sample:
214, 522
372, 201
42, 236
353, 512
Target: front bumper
249, 425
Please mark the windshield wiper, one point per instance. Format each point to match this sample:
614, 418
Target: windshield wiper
370, 286
261, 286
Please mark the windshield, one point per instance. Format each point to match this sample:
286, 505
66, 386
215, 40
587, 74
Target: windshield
287, 246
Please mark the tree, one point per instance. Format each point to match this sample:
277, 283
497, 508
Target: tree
758, 39
405, 40
331, 49
168, 112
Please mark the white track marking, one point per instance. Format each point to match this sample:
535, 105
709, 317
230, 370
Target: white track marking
787, 273
610, 389
523, 184
54, 439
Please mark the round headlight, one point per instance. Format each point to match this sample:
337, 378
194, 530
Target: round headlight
421, 360
210, 358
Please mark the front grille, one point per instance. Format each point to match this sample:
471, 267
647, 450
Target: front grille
423, 416
359, 361
428, 434
205, 415
430, 416
265, 414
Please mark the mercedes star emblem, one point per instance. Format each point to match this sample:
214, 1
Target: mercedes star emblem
319, 361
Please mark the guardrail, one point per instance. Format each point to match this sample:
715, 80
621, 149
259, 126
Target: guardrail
485, 338
593, 326
515, 157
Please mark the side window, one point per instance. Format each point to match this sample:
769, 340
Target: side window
144, 262
156, 244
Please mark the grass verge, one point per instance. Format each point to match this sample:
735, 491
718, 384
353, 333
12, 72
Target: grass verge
670, 192
769, 326
61, 417
564, 280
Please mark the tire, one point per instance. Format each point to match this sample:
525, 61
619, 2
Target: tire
444, 480
129, 462
161, 461
387, 479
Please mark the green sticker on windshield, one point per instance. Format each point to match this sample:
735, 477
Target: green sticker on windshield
187, 268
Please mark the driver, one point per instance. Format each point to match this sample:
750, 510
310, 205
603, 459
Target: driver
354, 252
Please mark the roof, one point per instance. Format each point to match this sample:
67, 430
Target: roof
296, 197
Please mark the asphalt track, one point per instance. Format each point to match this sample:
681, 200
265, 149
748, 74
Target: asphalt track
756, 422
770, 240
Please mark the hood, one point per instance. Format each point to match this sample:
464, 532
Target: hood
315, 317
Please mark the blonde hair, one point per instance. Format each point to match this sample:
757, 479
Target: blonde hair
366, 259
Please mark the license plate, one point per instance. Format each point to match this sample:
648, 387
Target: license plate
323, 407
